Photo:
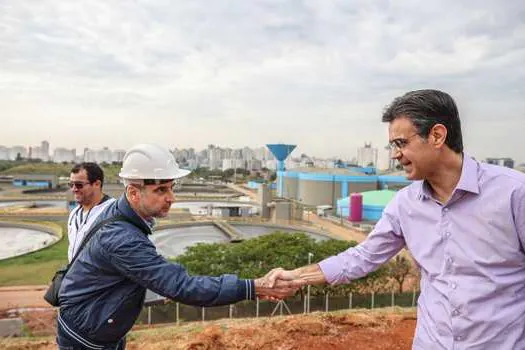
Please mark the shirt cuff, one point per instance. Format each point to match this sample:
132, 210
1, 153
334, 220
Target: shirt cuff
331, 268
247, 289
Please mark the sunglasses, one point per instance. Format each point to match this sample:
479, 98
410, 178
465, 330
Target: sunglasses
78, 185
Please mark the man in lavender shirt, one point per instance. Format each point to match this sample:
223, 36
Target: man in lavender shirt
462, 221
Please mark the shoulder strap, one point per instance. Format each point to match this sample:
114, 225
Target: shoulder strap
93, 230
97, 227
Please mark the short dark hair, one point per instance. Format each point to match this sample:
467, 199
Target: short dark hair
94, 172
426, 108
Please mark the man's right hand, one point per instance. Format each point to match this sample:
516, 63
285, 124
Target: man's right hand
300, 277
279, 290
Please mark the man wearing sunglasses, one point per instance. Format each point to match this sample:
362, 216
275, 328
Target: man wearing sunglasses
103, 292
463, 222
85, 181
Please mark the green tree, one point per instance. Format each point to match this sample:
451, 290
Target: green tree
255, 257
399, 269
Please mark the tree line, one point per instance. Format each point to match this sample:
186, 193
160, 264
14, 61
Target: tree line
255, 257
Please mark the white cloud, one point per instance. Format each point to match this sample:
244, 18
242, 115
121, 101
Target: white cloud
316, 73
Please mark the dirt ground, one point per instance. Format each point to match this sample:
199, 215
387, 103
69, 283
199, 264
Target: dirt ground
22, 296
376, 330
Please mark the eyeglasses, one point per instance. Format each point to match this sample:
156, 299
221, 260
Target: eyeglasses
78, 185
400, 143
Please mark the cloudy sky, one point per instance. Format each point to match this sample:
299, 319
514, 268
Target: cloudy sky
235, 73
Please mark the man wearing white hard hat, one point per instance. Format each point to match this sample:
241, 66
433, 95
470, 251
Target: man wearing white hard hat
103, 292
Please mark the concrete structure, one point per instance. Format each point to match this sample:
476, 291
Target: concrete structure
264, 197
22, 238
35, 180
314, 186
11, 327
282, 211
230, 210
374, 202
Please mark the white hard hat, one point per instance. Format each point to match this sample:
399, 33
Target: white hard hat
150, 161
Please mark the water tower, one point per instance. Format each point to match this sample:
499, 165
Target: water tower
281, 152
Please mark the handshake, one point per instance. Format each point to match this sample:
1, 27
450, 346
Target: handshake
279, 283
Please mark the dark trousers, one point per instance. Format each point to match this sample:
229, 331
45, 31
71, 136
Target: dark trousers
67, 342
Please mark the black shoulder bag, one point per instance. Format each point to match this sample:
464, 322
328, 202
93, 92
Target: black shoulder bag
51, 295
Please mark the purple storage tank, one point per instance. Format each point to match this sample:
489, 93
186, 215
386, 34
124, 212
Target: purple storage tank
356, 207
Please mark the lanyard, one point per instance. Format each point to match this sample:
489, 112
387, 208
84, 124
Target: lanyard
82, 221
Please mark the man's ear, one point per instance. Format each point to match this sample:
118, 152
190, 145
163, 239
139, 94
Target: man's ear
438, 135
133, 193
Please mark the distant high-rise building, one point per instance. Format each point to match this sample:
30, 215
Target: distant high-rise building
247, 153
506, 162
367, 156
384, 159
40, 152
233, 164
4, 153
118, 155
61, 155
253, 164
45, 148
104, 155
215, 158
16, 151
237, 154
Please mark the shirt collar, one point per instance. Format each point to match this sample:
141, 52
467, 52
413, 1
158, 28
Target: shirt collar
468, 180
469, 175
150, 222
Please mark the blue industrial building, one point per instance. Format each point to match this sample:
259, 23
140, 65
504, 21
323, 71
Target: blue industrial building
314, 187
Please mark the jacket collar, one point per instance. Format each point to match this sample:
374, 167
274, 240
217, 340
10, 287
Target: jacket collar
125, 209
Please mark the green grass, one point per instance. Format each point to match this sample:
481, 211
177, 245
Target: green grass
35, 268
110, 170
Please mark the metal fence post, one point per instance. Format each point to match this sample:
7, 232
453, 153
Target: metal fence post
308, 299
414, 297
231, 310
257, 308
149, 314
350, 300
304, 305
326, 302
373, 300
177, 313
203, 314
393, 299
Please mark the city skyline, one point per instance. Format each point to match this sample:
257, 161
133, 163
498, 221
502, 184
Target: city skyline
317, 74
219, 156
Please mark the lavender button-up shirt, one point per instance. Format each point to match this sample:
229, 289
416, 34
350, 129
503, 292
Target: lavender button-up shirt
471, 255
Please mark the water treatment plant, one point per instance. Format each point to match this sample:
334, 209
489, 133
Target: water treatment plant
306, 199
